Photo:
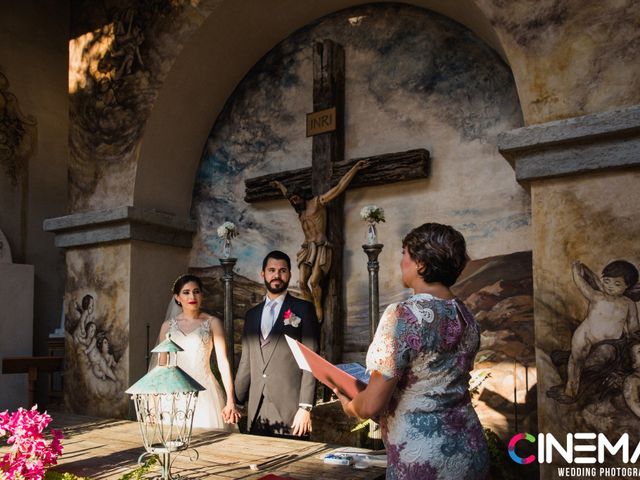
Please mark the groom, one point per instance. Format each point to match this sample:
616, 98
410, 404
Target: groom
280, 395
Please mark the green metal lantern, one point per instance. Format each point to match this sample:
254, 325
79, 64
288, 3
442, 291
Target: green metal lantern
165, 402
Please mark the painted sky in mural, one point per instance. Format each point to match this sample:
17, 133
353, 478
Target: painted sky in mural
429, 83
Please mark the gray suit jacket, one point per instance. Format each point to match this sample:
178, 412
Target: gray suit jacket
271, 370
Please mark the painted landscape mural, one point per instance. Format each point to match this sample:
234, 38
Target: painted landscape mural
431, 84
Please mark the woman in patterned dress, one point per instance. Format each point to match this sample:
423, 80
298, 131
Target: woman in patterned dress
420, 359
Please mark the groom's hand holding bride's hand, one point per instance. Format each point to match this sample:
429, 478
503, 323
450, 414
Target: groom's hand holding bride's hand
230, 413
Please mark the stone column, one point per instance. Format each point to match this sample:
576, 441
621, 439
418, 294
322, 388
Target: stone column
227, 279
120, 265
373, 267
584, 177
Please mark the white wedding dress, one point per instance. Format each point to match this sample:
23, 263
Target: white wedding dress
194, 360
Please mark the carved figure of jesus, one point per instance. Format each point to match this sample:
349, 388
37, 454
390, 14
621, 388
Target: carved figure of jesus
314, 257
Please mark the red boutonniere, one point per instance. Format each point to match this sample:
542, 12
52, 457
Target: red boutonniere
291, 318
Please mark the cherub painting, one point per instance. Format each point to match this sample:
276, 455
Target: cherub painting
102, 362
81, 334
93, 343
631, 385
612, 316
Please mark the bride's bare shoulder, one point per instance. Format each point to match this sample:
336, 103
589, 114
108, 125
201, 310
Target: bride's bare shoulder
211, 318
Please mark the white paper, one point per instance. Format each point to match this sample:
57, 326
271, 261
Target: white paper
297, 354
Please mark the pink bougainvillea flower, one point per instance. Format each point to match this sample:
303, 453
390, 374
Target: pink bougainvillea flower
30, 453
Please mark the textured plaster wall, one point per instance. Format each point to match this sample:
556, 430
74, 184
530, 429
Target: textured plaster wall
33, 60
115, 74
569, 57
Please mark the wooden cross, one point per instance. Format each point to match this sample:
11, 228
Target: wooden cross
327, 166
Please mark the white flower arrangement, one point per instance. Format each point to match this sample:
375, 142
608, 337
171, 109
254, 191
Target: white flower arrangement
372, 214
227, 230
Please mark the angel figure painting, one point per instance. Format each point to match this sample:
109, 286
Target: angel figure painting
94, 343
94, 365
603, 346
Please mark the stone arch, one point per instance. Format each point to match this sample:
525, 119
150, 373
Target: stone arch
196, 89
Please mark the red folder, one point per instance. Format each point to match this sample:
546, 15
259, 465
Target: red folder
323, 370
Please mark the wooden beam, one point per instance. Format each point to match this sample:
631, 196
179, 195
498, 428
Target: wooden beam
327, 151
383, 169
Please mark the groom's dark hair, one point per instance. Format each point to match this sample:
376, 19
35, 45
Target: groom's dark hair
276, 255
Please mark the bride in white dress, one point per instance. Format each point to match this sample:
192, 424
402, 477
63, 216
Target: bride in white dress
197, 333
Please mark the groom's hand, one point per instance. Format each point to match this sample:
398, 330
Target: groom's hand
230, 413
301, 423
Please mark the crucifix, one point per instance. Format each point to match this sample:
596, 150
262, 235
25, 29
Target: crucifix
324, 184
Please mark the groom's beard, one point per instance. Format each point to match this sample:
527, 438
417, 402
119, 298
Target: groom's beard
281, 286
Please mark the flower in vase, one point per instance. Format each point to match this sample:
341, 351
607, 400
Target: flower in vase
227, 230
372, 214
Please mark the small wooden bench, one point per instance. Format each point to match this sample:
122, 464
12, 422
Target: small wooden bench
32, 366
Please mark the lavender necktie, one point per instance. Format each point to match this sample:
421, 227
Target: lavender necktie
271, 319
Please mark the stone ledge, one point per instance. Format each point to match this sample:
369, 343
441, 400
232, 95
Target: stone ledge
119, 224
590, 143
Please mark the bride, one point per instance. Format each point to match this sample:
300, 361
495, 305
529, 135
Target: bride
197, 333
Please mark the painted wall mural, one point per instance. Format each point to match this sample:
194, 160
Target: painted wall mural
414, 79
97, 332
17, 134
115, 73
586, 305
610, 324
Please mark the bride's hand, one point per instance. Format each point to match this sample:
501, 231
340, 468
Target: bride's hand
230, 413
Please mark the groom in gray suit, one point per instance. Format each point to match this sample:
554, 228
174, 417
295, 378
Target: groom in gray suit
280, 395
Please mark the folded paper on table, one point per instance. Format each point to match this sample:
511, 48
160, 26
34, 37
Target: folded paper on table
323, 370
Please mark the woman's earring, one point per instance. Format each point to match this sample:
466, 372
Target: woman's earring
179, 304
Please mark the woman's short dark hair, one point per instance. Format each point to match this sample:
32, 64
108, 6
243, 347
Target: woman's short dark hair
441, 250
182, 280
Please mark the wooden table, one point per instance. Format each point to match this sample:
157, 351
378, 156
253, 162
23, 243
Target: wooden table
106, 449
31, 366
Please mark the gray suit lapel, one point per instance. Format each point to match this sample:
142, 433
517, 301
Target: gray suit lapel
258, 335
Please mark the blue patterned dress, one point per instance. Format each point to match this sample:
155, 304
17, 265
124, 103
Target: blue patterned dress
429, 428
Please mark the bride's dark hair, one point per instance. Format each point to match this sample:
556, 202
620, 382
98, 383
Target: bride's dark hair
182, 280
